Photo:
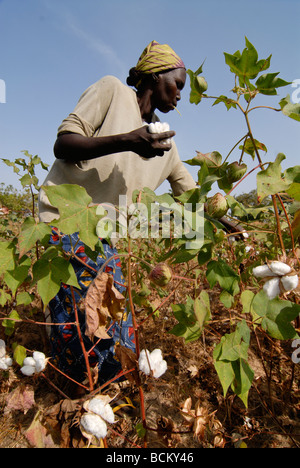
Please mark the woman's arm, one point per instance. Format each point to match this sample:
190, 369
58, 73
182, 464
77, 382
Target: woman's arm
73, 147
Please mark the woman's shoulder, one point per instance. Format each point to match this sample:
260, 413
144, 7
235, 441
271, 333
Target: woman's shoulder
109, 81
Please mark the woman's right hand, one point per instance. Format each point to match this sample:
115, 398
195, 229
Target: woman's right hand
149, 145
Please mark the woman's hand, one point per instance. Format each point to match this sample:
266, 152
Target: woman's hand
149, 145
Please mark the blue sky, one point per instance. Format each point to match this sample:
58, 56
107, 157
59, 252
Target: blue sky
52, 50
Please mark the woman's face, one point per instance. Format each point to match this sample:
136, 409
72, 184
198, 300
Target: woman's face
166, 92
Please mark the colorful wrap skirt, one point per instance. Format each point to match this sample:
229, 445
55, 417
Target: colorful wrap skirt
66, 348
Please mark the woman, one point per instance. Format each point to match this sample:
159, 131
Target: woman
105, 147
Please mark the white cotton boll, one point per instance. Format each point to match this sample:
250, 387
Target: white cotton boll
28, 370
160, 369
93, 424
272, 288
8, 361
29, 361
156, 356
290, 282
151, 128
280, 268
2, 349
263, 271
143, 362
102, 409
3, 365
40, 361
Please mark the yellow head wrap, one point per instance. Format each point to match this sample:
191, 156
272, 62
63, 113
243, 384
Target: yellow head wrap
157, 58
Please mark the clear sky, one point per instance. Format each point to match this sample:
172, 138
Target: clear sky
52, 50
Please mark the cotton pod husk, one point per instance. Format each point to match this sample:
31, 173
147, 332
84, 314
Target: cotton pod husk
161, 274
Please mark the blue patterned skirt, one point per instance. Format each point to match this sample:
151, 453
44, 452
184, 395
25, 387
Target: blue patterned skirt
65, 345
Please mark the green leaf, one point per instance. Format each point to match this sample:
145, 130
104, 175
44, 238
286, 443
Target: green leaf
289, 109
49, 274
4, 297
188, 326
277, 315
246, 64
202, 309
19, 354
244, 376
8, 324
229, 103
220, 272
296, 225
267, 84
249, 147
31, 232
14, 278
75, 210
24, 298
7, 256
270, 180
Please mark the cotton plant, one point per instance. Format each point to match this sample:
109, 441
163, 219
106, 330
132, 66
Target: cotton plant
279, 278
152, 362
93, 423
35, 364
5, 361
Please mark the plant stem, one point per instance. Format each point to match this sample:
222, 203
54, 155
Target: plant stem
85, 354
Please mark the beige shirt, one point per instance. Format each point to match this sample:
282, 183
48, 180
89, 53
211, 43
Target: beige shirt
109, 107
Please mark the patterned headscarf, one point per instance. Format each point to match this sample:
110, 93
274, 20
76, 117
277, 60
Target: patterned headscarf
157, 58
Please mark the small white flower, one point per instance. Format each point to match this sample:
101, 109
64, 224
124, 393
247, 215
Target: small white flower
94, 425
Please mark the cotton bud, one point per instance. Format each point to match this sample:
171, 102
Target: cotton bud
92, 424
217, 206
236, 171
161, 275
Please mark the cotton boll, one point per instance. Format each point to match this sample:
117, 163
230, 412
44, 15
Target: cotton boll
290, 282
93, 424
95, 405
160, 369
156, 356
3, 365
272, 288
151, 128
29, 361
8, 361
28, 370
40, 361
263, 271
280, 268
2, 349
143, 362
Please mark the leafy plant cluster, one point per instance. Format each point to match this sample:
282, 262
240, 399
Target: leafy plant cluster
30, 269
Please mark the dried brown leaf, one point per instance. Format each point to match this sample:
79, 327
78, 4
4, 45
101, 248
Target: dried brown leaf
103, 302
128, 360
20, 399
